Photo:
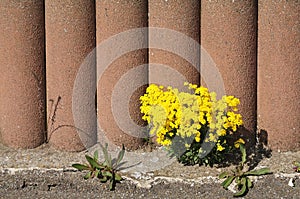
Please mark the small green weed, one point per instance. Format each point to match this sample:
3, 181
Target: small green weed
296, 166
105, 171
241, 177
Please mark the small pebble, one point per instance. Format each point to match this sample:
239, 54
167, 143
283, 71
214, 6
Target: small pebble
291, 182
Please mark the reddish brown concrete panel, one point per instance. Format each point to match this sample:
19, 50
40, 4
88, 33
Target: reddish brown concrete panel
22, 82
279, 72
70, 37
121, 78
167, 67
228, 34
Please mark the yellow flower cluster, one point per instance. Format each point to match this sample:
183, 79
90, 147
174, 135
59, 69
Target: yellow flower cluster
162, 110
173, 113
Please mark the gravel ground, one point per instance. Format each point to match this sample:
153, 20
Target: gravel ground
46, 173
59, 184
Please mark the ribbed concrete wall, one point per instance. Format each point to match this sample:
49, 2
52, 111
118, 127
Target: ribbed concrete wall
114, 18
166, 66
254, 44
70, 37
22, 78
279, 73
229, 34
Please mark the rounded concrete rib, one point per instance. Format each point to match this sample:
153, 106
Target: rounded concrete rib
70, 37
22, 82
228, 33
167, 68
22, 119
279, 73
122, 81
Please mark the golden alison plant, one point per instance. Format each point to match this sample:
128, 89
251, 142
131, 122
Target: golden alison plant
195, 126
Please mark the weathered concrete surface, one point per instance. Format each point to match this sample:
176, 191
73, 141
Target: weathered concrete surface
121, 82
165, 67
58, 184
70, 33
22, 79
46, 173
228, 33
279, 73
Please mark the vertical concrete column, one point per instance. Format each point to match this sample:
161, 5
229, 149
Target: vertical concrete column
70, 37
228, 34
122, 70
22, 82
168, 64
279, 73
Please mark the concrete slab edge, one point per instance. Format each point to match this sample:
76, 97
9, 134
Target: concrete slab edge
147, 180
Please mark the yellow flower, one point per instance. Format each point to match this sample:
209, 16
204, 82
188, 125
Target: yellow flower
220, 147
212, 137
221, 132
187, 146
192, 86
167, 142
238, 142
197, 139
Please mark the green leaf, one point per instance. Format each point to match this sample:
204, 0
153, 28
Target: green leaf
96, 156
188, 153
223, 175
195, 158
238, 180
227, 182
103, 179
111, 184
296, 163
109, 161
100, 166
107, 157
97, 173
258, 172
244, 154
243, 189
92, 162
120, 155
88, 175
249, 183
107, 174
81, 167
118, 177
